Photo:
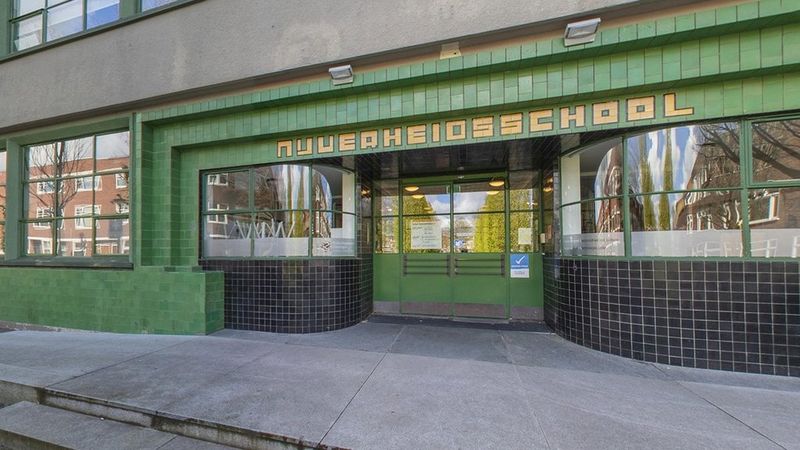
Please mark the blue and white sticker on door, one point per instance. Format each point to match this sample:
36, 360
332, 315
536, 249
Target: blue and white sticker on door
520, 265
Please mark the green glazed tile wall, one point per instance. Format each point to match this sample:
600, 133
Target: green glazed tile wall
731, 61
178, 245
141, 301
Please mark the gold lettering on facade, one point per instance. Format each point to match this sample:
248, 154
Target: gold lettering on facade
392, 137
436, 132
325, 145
543, 120
641, 108
670, 110
369, 139
455, 130
568, 116
510, 124
604, 113
347, 142
537, 117
284, 149
309, 147
483, 127
415, 134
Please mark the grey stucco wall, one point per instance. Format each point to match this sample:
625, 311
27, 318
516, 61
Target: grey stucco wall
221, 41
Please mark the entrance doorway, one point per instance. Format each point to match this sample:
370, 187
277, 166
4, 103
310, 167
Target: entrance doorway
454, 247
457, 231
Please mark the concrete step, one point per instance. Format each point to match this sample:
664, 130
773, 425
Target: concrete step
188, 427
31, 426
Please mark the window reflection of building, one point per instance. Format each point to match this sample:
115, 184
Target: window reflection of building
80, 201
275, 210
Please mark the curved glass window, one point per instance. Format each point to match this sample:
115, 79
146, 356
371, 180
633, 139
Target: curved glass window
776, 150
288, 210
679, 181
592, 217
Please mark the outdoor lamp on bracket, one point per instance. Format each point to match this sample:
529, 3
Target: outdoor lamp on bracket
582, 32
341, 74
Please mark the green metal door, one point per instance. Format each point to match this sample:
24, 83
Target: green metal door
454, 241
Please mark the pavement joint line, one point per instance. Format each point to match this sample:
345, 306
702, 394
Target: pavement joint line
683, 386
360, 388
525, 393
115, 364
396, 338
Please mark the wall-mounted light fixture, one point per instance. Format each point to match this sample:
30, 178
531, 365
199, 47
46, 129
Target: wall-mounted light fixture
341, 74
581, 32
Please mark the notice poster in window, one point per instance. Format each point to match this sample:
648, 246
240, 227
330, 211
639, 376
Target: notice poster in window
525, 236
426, 236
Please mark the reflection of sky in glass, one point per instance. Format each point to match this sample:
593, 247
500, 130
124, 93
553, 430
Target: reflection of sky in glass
468, 201
115, 145
2, 161
439, 202
685, 146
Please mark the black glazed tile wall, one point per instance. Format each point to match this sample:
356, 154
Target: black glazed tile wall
300, 295
292, 296
738, 316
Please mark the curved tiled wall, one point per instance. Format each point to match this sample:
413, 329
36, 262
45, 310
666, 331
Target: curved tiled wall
740, 316
295, 296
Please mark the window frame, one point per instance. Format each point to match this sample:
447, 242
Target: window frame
746, 184
129, 11
253, 211
56, 222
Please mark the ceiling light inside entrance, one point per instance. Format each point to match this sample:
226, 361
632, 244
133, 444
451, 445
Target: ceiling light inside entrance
492, 192
497, 182
411, 188
581, 32
418, 196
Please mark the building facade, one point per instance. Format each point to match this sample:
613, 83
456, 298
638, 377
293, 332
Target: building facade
181, 166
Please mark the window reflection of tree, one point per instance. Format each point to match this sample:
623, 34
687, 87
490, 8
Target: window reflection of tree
56, 160
776, 148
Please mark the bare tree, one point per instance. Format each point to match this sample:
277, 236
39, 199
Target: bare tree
51, 162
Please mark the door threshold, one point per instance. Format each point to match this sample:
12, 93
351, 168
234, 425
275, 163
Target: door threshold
462, 322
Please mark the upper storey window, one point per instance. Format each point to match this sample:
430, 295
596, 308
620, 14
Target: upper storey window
37, 21
151, 4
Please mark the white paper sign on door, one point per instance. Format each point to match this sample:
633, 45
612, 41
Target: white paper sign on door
426, 236
525, 236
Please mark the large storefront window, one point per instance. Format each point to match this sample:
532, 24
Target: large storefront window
687, 195
684, 191
289, 210
592, 215
77, 201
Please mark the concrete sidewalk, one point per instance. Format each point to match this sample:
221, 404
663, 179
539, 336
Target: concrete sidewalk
379, 385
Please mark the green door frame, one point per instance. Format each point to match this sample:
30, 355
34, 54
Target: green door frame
451, 181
